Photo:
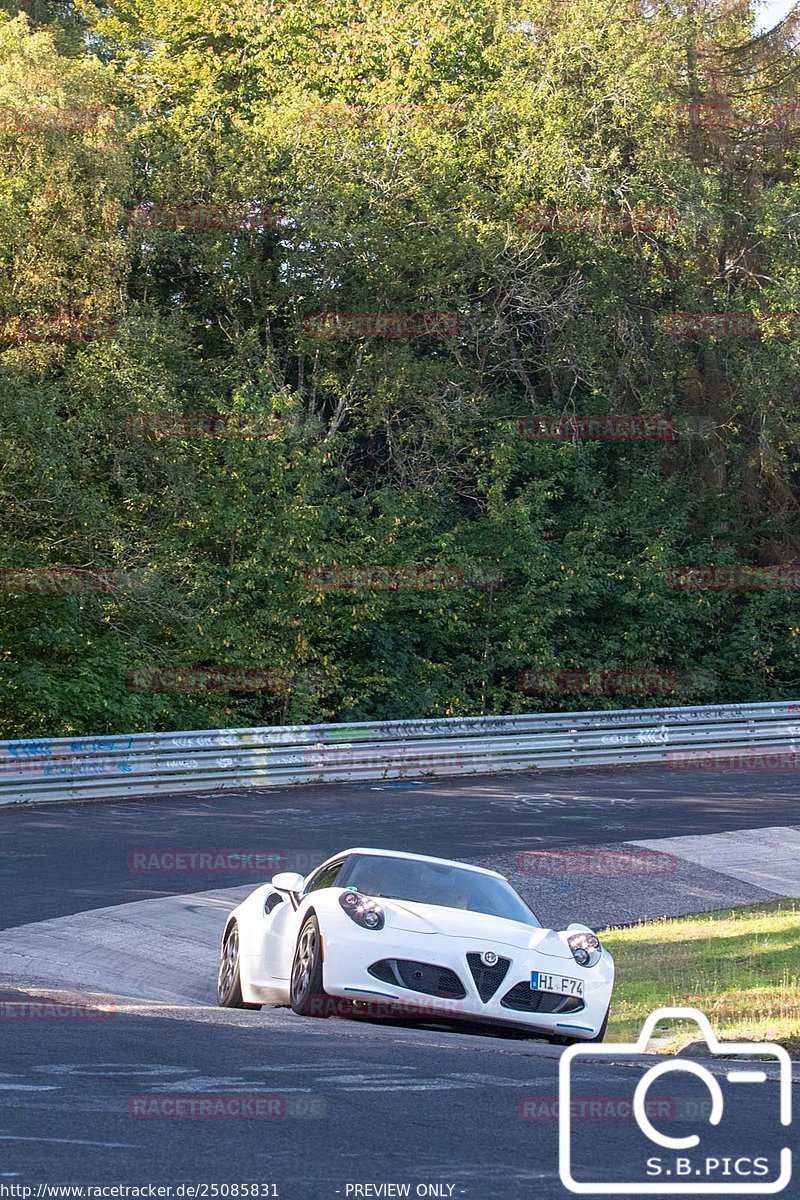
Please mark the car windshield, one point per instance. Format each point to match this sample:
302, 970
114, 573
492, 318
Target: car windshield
434, 883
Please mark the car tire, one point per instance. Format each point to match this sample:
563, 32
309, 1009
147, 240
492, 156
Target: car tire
229, 979
306, 996
601, 1033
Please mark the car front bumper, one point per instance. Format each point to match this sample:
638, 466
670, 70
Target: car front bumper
346, 975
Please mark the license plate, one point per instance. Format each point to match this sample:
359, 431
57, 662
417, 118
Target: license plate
562, 985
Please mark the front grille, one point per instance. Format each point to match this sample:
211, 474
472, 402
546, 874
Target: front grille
523, 998
487, 979
419, 977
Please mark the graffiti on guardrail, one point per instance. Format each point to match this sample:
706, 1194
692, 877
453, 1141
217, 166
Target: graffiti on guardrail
397, 749
678, 716
80, 759
435, 727
110, 745
64, 766
644, 737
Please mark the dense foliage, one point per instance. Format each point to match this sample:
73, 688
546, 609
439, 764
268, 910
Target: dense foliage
391, 157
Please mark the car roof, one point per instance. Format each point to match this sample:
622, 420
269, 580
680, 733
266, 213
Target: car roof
447, 862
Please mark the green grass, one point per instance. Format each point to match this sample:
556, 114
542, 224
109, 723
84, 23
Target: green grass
740, 966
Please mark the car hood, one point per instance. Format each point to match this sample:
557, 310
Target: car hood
412, 917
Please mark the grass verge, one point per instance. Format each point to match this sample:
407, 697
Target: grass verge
740, 966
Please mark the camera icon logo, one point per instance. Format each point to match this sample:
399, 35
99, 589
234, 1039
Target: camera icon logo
684, 1166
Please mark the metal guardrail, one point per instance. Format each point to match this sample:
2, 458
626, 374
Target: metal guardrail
143, 764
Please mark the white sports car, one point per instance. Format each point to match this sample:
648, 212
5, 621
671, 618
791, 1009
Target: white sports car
397, 934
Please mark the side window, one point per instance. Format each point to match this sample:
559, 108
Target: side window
324, 878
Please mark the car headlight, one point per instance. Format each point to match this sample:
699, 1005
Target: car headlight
365, 912
585, 949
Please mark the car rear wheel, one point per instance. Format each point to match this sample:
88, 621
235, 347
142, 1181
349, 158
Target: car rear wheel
305, 994
229, 981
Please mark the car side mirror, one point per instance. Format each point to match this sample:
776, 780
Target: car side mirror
288, 881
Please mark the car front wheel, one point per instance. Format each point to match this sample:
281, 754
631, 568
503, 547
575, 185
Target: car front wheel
306, 995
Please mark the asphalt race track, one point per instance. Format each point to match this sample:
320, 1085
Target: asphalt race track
59, 859
384, 1105
88, 1095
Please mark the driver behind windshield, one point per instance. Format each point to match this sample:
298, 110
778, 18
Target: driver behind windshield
397, 879
437, 884
403, 880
